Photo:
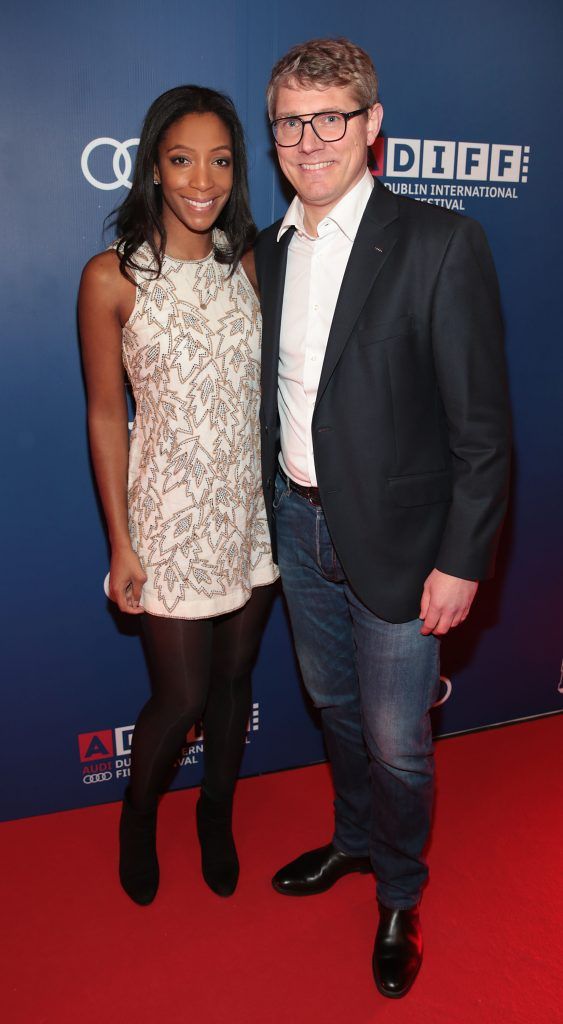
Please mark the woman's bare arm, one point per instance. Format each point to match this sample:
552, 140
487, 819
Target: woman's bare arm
250, 269
105, 302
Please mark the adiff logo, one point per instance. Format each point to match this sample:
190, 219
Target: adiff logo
106, 754
450, 160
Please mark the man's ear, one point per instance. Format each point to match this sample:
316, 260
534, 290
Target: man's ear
375, 117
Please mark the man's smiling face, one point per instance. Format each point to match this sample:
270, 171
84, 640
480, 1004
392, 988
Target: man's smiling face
323, 172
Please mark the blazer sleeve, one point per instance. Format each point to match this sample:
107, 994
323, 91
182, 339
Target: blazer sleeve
467, 338
259, 246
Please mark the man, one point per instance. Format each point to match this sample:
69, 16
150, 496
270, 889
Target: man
384, 398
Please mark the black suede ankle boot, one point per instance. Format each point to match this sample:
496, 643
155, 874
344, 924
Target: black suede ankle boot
219, 861
138, 863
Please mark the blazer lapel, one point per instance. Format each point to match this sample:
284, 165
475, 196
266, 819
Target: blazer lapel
374, 242
272, 305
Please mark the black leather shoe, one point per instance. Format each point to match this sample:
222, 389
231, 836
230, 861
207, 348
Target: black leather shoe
397, 953
317, 870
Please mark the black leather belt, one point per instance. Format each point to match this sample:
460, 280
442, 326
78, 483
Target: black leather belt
311, 494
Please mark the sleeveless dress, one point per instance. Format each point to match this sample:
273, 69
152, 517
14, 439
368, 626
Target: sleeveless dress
191, 349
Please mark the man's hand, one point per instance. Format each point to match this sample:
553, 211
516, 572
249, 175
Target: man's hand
446, 601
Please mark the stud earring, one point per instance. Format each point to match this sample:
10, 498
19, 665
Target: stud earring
155, 182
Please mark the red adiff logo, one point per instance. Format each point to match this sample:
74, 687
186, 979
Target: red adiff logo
378, 156
94, 746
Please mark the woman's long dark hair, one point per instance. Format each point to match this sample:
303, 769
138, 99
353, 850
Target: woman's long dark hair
139, 218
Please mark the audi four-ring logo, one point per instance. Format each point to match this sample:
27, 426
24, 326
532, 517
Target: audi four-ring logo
122, 163
90, 780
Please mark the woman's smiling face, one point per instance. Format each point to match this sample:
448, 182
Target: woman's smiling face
195, 173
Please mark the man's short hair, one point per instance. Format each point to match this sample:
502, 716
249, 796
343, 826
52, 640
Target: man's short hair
322, 63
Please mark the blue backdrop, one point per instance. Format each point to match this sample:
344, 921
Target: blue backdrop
468, 91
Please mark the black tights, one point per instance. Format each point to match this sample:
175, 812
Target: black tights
200, 669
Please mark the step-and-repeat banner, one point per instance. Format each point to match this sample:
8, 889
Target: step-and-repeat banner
470, 125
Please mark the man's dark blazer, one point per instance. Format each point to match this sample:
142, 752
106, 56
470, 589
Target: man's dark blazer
411, 426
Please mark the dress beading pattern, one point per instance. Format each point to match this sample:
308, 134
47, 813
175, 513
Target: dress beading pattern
191, 349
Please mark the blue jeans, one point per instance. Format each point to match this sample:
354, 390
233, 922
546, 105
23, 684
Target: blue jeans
374, 683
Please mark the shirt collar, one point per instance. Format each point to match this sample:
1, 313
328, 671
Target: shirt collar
346, 215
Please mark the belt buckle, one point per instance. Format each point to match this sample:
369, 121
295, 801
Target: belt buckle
311, 494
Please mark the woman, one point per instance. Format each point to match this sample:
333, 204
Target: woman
182, 499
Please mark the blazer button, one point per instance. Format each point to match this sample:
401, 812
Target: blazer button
269, 483
266, 429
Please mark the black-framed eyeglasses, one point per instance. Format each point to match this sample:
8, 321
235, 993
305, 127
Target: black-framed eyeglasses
328, 126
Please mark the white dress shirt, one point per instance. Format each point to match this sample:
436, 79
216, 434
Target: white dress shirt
315, 268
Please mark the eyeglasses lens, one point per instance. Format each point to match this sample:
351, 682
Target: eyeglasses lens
329, 127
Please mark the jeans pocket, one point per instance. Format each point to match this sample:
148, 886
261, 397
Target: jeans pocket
281, 490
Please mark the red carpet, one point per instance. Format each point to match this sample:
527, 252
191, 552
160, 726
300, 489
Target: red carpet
76, 950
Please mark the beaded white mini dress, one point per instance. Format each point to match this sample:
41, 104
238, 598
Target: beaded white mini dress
191, 349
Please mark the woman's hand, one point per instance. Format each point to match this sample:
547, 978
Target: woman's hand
126, 578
